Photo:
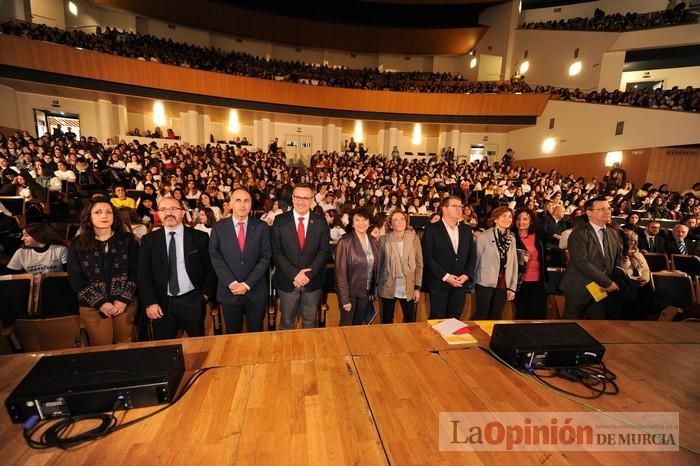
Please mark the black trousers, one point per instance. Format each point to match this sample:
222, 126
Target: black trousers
531, 301
186, 312
489, 303
447, 303
253, 308
407, 306
356, 314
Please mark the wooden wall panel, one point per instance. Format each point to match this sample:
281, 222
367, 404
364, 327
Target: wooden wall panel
25, 53
635, 163
678, 169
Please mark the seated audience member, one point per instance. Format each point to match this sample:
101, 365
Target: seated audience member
102, 265
133, 223
678, 243
42, 251
121, 200
269, 216
636, 276
651, 239
334, 224
356, 263
63, 173
205, 220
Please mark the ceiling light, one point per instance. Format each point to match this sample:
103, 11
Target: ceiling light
73, 8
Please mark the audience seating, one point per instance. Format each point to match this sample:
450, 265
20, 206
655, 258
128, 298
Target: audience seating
657, 261
16, 292
56, 297
673, 289
685, 263
17, 207
36, 333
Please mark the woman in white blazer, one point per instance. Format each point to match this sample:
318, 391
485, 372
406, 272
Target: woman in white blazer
496, 271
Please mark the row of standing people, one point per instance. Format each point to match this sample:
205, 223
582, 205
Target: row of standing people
176, 268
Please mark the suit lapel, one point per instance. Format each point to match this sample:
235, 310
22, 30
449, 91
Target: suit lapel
162, 245
248, 234
187, 245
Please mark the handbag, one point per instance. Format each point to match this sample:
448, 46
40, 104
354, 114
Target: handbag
370, 312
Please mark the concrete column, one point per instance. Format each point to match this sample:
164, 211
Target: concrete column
394, 139
13, 9
190, 128
205, 130
106, 125
266, 134
122, 124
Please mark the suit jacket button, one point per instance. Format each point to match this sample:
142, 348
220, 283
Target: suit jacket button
242, 262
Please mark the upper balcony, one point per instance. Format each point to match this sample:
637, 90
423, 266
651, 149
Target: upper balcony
50, 63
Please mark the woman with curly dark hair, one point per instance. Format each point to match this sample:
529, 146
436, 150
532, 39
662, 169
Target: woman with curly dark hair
102, 267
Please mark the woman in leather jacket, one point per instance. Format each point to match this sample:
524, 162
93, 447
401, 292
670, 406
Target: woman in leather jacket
356, 263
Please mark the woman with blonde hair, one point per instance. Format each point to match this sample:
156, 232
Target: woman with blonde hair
496, 270
400, 268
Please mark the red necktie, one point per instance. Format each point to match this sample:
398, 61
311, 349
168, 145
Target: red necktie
241, 235
300, 233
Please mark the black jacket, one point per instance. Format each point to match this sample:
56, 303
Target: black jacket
289, 259
440, 258
153, 266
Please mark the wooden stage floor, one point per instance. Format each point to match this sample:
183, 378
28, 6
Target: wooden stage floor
372, 395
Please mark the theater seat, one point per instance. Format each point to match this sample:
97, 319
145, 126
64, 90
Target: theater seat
685, 263
555, 297
657, 261
56, 297
674, 289
35, 333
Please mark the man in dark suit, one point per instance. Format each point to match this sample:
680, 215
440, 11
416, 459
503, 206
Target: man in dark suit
595, 250
240, 253
175, 276
679, 243
300, 245
449, 256
553, 225
650, 240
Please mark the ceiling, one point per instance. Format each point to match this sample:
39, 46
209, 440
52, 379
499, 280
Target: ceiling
350, 26
135, 104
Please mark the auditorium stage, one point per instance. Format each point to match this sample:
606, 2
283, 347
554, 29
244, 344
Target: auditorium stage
372, 395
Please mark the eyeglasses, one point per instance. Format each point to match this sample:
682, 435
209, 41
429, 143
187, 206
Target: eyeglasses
302, 198
172, 210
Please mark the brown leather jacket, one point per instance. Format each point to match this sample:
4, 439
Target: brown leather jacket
351, 267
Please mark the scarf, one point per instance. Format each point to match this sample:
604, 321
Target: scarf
398, 268
503, 245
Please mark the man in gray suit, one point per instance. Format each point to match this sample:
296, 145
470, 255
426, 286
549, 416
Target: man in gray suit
240, 253
595, 251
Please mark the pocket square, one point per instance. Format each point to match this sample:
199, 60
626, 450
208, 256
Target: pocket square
194, 251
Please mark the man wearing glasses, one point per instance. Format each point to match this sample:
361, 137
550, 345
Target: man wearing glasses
595, 250
449, 256
175, 276
300, 248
